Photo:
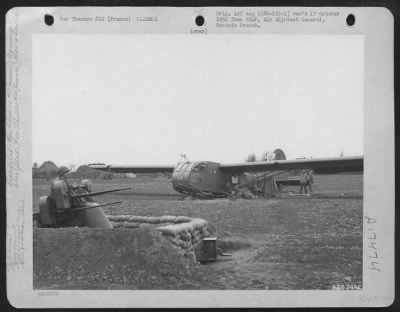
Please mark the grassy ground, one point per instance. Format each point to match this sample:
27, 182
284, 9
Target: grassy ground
291, 243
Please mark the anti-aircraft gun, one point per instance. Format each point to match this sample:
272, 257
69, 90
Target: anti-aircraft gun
72, 205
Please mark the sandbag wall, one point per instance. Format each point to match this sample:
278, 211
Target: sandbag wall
88, 258
184, 233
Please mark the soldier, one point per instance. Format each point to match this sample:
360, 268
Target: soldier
61, 173
61, 176
309, 181
303, 181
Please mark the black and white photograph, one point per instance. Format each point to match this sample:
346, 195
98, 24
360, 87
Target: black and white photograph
205, 153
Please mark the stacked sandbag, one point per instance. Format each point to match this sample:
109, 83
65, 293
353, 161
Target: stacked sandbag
80, 257
183, 232
185, 236
129, 221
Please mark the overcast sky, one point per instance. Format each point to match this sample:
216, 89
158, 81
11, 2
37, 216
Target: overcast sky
145, 99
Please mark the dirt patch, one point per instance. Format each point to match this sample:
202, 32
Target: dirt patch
233, 243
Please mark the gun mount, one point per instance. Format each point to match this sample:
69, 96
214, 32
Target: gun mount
73, 205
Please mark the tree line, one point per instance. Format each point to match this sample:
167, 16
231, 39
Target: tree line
48, 171
252, 157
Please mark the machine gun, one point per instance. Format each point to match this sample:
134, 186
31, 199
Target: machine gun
73, 205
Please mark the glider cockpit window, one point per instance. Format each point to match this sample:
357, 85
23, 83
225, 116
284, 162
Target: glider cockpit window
185, 166
200, 166
178, 167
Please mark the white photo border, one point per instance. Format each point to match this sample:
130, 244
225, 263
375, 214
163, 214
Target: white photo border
376, 25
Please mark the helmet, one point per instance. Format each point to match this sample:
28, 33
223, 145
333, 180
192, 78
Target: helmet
62, 170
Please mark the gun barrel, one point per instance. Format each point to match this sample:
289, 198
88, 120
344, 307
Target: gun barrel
89, 207
99, 192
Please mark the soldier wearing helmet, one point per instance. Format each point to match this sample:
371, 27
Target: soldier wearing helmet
309, 181
61, 176
61, 172
303, 181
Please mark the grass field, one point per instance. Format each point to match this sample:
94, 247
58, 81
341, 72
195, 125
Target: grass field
290, 243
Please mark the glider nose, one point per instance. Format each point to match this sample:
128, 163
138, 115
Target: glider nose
180, 177
180, 181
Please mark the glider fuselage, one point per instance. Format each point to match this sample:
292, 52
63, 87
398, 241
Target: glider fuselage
201, 178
